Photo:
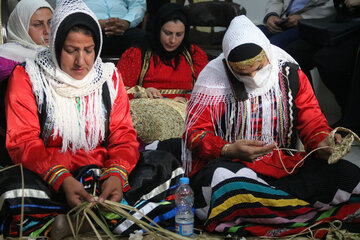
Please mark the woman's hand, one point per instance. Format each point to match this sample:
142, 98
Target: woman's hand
180, 99
352, 3
75, 192
325, 151
153, 93
111, 189
271, 24
248, 150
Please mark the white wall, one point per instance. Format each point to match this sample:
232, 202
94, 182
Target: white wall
255, 9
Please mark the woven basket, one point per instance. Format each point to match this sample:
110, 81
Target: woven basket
157, 119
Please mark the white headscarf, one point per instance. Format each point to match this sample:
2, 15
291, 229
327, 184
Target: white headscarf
20, 45
19, 20
212, 89
75, 107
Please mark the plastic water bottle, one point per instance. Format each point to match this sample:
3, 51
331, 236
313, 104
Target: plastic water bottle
184, 199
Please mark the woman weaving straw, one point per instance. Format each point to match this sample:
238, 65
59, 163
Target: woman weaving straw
69, 125
245, 112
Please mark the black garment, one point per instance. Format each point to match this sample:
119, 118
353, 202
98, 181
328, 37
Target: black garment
319, 181
337, 65
153, 181
303, 51
172, 145
117, 45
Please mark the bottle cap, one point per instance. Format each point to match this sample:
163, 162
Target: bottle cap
184, 180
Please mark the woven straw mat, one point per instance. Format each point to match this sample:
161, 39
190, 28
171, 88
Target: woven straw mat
157, 119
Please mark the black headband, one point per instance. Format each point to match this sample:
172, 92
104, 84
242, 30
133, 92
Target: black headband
70, 21
244, 52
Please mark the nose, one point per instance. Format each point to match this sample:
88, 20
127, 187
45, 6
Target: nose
172, 38
79, 59
46, 29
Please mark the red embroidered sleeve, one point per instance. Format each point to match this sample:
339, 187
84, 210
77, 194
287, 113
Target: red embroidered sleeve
200, 59
129, 66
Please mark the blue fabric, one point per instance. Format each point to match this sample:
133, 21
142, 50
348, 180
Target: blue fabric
283, 38
297, 5
130, 10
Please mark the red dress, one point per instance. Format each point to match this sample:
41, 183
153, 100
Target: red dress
161, 76
25, 146
311, 124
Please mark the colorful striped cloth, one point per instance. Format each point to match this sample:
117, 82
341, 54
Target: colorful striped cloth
153, 182
231, 198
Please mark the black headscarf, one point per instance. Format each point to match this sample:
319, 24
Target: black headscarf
244, 52
169, 12
76, 19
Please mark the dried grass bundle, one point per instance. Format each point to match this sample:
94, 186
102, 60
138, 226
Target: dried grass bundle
84, 212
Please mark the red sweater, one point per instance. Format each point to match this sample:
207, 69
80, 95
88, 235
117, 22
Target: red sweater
25, 146
161, 76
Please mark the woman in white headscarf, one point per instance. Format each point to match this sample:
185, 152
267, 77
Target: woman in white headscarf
245, 113
69, 125
28, 30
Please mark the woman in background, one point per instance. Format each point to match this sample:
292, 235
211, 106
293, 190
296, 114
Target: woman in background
168, 65
28, 30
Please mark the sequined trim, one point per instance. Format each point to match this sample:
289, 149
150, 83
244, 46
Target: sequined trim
175, 91
241, 65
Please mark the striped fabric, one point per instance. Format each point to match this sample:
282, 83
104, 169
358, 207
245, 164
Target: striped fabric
153, 182
156, 198
175, 91
40, 206
231, 198
55, 173
114, 170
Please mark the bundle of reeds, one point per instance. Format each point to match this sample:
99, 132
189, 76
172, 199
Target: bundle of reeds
85, 212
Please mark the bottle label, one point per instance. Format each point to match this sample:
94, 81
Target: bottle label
185, 229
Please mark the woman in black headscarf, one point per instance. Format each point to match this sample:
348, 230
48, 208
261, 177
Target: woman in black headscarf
169, 65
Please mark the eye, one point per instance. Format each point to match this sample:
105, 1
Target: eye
260, 67
179, 34
37, 25
69, 50
89, 50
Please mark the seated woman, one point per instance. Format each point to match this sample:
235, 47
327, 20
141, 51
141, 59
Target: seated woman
169, 65
28, 30
245, 112
70, 128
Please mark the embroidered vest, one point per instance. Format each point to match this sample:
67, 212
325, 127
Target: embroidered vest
145, 67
